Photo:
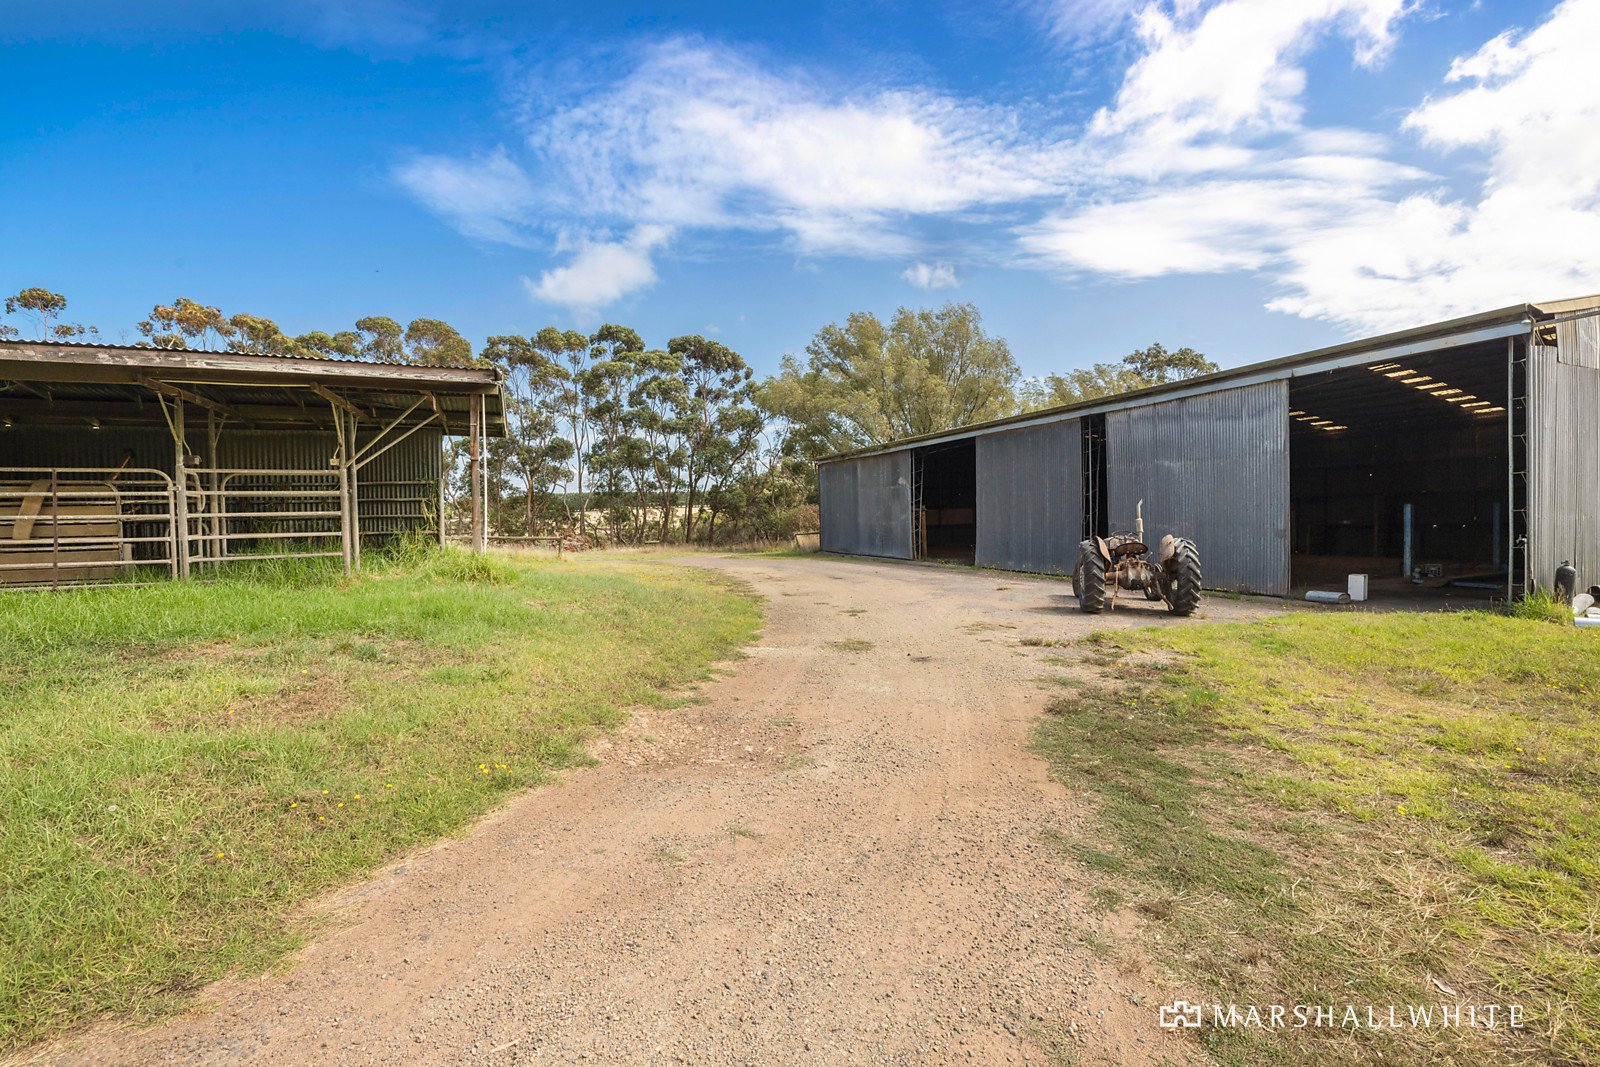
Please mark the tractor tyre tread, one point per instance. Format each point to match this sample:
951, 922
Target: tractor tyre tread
1091, 579
1185, 581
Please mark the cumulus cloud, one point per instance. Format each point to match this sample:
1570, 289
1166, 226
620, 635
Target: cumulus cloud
1204, 161
931, 275
1224, 177
601, 272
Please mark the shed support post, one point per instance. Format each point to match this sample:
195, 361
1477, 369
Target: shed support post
355, 495
1511, 470
180, 482
444, 477
475, 472
342, 461
213, 504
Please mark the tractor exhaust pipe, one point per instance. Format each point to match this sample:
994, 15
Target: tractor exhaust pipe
1138, 522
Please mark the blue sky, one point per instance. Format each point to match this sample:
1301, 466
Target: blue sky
1250, 177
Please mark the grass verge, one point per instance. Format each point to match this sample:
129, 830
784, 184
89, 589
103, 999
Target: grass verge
1374, 809
182, 765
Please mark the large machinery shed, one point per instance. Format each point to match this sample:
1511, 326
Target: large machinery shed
1466, 451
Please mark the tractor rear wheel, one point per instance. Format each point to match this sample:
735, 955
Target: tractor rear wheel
1091, 579
1183, 577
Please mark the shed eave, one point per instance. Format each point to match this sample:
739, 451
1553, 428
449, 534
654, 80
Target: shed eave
33, 361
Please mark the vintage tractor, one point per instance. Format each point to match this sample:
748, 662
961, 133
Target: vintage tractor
1122, 561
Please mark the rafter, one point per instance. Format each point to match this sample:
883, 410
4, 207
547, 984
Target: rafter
180, 393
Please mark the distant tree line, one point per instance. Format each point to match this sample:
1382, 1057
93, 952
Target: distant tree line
611, 438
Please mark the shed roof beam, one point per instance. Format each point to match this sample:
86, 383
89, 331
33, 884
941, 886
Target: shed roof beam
194, 398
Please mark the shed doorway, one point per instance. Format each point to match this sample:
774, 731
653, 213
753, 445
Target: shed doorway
1400, 470
944, 501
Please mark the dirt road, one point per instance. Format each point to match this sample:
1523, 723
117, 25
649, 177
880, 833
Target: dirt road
835, 856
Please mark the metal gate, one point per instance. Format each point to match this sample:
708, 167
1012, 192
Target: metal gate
85, 525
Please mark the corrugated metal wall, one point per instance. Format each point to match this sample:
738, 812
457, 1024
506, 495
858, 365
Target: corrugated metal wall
1030, 498
55, 446
1564, 454
399, 490
866, 505
1215, 468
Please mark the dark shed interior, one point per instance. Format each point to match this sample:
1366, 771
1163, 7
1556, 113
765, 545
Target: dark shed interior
944, 501
1399, 470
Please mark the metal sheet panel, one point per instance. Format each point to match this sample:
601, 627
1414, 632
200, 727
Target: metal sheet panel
1030, 498
1578, 342
866, 506
1563, 461
398, 490
1215, 468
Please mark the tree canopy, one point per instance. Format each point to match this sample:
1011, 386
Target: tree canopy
1139, 369
866, 383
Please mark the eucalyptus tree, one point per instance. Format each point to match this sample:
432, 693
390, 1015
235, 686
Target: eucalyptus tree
717, 382
656, 403
568, 352
865, 383
1139, 369
186, 323
433, 343
533, 447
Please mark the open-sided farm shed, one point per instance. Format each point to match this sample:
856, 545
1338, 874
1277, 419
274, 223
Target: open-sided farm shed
1469, 446
118, 461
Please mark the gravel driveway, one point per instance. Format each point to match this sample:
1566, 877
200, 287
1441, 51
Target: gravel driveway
835, 855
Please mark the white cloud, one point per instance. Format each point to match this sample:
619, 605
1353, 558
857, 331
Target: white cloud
1203, 162
488, 197
1209, 81
1224, 177
931, 275
1533, 230
601, 272
699, 136
1077, 22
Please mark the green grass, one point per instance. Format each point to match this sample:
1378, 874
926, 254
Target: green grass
182, 766
1342, 808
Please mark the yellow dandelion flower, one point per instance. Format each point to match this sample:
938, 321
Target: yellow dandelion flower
325, 792
358, 796
1541, 759
388, 785
1401, 808
322, 818
220, 855
341, 803
304, 671
293, 804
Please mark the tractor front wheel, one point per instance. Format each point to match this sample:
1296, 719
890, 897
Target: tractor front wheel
1090, 579
1183, 577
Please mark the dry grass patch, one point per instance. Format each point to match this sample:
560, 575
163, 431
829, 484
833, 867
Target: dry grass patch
1356, 809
